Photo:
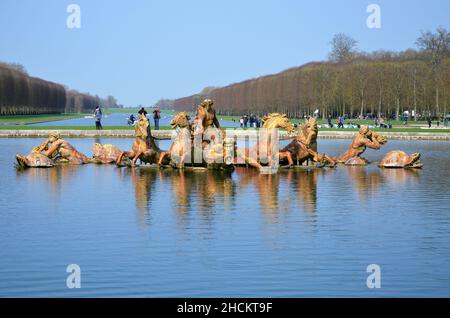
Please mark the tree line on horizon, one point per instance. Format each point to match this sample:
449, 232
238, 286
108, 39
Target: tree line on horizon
352, 83
21, 94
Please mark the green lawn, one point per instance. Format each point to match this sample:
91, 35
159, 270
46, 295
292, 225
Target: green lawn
20, 122
397, 129
372, 122
24, 127
406, 129
411, 123
32, 119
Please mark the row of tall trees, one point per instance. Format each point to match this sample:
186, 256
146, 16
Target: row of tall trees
22, 94
80, 103
381, 83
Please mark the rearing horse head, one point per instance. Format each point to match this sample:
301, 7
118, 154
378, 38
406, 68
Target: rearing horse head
311, 124
276, 120
207, 103
142, 127
180, 120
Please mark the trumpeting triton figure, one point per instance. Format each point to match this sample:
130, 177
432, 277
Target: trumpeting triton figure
365, 138
304, 146
54, 149
62, 151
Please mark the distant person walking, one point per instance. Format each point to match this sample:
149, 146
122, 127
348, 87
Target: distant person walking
245, 121
252, 120
156, 117
241, 122
429, 122
340, 124
98, 118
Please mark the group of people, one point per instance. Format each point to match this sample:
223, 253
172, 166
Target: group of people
340, 122
379, 122
131, 119
250, 121
156, 117
438, 122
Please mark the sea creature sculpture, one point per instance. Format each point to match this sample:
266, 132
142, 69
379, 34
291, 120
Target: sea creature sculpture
34, 160
400, 159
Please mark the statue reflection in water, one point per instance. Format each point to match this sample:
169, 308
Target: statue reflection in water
364, 182
203, 193
279, 193
144, 182
207, 191
200, 192
56, 179
370, 181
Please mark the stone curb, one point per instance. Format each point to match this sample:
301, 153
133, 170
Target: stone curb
167, 134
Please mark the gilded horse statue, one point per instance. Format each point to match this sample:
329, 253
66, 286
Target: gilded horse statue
180, 149
144, 146
254, 156
215, 152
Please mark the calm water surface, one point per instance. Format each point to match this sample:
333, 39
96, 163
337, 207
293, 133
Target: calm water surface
145, 232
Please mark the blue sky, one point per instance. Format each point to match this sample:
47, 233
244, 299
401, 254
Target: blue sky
140, 51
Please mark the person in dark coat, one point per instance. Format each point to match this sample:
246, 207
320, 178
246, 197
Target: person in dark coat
156, 117
98, 118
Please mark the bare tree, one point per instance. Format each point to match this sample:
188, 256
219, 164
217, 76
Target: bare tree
436, 47
343, 48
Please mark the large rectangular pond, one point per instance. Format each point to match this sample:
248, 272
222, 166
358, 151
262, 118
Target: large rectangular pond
120, 120
146, 232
